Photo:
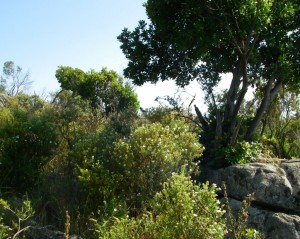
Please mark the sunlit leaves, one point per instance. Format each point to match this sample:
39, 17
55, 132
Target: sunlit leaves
105, 90
182, 209
137, 164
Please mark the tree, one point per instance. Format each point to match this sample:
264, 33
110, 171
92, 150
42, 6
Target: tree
14, 80
256, 41
105, 90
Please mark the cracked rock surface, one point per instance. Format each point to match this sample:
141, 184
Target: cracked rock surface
276, 194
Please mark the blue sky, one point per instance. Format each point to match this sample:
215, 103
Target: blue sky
40, 35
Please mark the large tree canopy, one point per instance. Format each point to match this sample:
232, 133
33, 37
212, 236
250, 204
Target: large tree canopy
257, 41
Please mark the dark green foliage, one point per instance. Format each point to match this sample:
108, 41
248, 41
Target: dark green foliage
186, 32
256, 41
28, 137
85, 130
59, 190
85, 136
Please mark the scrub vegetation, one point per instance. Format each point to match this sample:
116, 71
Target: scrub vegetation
88, 161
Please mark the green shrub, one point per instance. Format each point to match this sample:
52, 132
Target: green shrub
151, 154
282, 138
98, 173
181, 210
243, 152
132, 169
28, 137
4, 230
15, 218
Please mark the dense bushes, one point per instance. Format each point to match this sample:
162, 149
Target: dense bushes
131, 169
104, 90
182, 209
121, 169
28, 136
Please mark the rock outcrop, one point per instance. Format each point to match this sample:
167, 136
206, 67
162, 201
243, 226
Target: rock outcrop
275, 210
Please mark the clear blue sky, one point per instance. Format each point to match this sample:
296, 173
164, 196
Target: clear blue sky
40, 35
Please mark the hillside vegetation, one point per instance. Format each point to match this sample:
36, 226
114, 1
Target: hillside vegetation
88, 161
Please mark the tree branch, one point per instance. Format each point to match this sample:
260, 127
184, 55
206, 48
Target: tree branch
20, 231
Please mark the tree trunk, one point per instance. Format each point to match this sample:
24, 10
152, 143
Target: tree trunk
218, 117
234, 119
269, 94
231, 95
236, 97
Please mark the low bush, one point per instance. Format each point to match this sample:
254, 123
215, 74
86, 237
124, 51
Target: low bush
243, 152
132, 169
182, 209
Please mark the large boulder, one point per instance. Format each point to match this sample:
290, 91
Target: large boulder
274, 186
275, 189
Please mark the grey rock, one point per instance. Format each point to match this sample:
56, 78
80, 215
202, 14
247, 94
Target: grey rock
280, 225
273, 225
273, 185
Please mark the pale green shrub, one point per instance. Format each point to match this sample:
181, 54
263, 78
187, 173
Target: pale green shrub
151, 154
132, 169
4, 229
181, 210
